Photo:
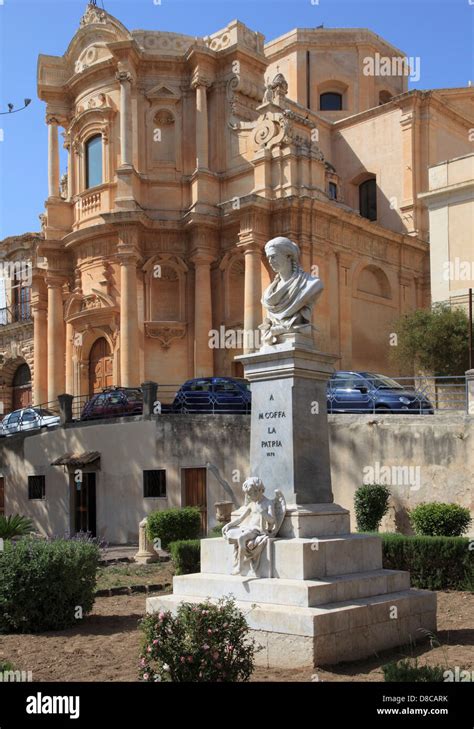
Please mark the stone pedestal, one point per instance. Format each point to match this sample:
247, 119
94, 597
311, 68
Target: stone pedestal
146, 554
289, 443
321, 595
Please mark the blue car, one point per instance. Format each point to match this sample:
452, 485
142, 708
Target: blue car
367, 392
213, 395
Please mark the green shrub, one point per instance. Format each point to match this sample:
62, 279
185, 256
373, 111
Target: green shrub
46, 585
371, 504
172, 525
6, 666
408, 670
186, 556
440, 520
14, 526
203, 642
434, 563
215, 532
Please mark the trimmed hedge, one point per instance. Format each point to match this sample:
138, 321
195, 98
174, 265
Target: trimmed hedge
186, 556
371, 505
42, 584
440, 520
434, 563
172, 525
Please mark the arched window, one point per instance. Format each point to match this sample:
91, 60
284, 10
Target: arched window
93, 155
368, 199
330, 101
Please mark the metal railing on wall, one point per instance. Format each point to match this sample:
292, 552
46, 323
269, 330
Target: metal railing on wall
15, 313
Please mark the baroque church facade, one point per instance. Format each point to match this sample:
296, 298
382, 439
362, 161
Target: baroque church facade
185, 155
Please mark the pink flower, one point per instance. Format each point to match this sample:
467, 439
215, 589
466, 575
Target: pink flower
209, 632
182, 659
142, 662
205, 647
155, 641
148, 650
161, 615
190, 659
146, 676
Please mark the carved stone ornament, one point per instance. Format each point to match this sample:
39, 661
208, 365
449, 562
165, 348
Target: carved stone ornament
90, 302
93, 14
165, 332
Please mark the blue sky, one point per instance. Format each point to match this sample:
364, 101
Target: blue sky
440, 32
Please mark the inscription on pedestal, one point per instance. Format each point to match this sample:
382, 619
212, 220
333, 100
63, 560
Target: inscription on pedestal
270, 439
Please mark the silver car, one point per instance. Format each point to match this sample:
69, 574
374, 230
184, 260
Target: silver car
28, 419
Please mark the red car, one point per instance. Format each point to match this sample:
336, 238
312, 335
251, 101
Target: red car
113, 403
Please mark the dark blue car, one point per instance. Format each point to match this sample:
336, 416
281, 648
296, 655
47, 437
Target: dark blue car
367, 392
213, 395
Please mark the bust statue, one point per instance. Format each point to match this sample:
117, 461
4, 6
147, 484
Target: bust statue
290, 298
259, 519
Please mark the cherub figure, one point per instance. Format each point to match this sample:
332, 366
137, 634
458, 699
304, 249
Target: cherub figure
260, 518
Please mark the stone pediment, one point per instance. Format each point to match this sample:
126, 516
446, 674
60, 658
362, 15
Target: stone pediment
80, 304
162, 91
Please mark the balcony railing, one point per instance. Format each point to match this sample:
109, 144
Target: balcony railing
15, 313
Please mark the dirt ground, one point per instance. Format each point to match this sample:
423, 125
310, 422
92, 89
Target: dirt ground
105, 646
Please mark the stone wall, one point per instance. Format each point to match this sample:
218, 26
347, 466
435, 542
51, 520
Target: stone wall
424, 458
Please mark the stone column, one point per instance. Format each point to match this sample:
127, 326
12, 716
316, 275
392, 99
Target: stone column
56, 337
70, 170
252, 296
69, 360
202, 139
125, 79
203, 354
150, 390
40, 352
345, 308
129, 371
470, 391
53, 156
65, 408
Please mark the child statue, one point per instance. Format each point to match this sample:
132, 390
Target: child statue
260, 518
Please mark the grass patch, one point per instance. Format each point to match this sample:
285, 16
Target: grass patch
125, 575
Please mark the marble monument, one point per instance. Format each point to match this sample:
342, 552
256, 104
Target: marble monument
312, 592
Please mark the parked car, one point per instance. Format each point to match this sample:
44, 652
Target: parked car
366, 392
114, 402
28, 419
213, 394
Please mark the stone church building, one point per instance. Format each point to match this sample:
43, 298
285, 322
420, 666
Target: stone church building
185, 155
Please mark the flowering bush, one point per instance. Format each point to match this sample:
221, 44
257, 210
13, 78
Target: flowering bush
203, 642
